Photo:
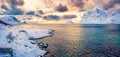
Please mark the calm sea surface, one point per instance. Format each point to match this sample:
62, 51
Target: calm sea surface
82, 40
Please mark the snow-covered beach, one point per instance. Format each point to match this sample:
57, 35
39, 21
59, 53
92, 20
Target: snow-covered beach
18, 38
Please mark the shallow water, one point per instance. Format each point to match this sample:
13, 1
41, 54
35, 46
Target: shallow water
82, 40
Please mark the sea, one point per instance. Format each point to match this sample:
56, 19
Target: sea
75, 40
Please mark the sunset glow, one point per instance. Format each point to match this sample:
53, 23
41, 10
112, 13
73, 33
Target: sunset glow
60, 8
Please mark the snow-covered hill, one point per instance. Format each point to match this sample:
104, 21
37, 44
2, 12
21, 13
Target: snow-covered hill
9, 20
94, 16
18, 39
114, 18
98, 16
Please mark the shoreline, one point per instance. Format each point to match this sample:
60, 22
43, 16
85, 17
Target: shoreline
21, 38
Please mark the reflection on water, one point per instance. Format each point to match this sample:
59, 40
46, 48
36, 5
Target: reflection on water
83, 40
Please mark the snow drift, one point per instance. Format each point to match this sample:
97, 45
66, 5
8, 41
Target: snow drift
18, 39
9, 20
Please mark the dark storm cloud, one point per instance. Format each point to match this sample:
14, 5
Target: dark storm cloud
51, 17
30, 13
68, 16
78, 3
14, 12
82, 5
61, 8
56, 17
13, 3
4, 7
41, 12
16, 2
111, 4
12, 8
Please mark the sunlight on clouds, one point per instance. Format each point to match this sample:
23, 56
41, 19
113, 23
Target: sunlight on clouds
63, 21
42, 21
33, 5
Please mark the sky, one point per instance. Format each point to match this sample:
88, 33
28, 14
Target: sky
56, 7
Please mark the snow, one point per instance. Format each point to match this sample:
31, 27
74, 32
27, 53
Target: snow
18, 39
94, 16
99, 16
29, 19
5, 55
114, 17
33, 32
10, 20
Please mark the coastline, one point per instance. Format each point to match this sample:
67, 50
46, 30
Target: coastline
17, 39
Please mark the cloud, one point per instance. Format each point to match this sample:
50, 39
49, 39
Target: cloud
30, 13
78, 3
13, 3
56, 17
14, 12
58, 5
111, 4
68, 16
40, 12
16, 2
61, 8
83, 5
51, 17
4, 7
11, 7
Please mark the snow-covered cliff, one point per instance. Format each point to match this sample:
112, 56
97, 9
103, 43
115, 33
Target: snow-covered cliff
18, 39
94, 16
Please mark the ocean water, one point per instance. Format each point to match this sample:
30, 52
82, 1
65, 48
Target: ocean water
82, 40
